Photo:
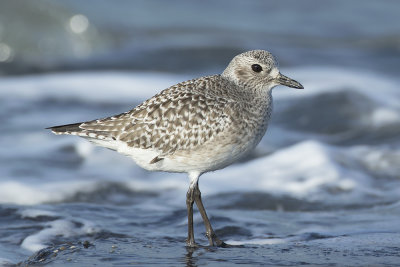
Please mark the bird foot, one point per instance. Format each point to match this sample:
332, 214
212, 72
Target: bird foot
191, 244
221, 244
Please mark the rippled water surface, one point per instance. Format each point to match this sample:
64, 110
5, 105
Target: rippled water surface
321, 189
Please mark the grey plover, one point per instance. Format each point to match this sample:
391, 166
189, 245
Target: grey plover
196, 126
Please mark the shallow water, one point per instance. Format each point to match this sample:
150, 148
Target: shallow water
322, 187
99, 234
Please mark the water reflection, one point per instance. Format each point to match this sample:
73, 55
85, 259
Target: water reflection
189, 259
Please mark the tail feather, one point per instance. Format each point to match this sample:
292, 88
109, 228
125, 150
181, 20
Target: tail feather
93, 135
67, 129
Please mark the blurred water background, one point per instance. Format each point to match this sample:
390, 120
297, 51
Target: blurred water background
322, 188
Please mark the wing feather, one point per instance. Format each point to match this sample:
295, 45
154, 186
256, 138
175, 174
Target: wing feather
181, 117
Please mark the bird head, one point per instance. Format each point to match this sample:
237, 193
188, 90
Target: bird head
257, 69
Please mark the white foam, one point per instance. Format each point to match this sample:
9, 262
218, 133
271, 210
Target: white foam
31, 192
303, 170
381, 160
34, 213
64, 228
384, 116
257, 241
300, 170
90, 86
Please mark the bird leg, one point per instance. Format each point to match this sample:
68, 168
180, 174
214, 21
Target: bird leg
212, 237
189, 204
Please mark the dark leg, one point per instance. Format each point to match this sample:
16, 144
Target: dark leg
189, 204
212, 237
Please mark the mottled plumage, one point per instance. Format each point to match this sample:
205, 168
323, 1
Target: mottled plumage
195, 126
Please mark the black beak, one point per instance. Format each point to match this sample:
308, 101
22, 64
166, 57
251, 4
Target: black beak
286, 81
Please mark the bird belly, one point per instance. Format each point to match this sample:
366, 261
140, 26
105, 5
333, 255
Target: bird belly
213, 155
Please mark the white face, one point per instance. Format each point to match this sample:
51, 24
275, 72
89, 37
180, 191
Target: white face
255, 72
258, 69
275, 76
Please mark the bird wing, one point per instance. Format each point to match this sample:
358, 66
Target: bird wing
181, 117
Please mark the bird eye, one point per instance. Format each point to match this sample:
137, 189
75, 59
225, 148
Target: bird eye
256, 68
